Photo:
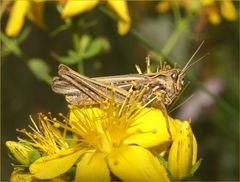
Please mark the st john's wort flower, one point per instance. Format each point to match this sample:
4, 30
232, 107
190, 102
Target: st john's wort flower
73, 8
111, 139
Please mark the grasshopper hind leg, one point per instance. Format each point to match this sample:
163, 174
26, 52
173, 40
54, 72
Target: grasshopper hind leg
164, 110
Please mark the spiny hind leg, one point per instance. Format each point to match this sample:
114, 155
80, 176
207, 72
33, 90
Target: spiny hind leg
164, 110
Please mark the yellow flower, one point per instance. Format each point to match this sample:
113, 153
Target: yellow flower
46, 137
226, 9
210, 9
214, 17
33, 9
73, 8
113, 138
183, 152
163, 6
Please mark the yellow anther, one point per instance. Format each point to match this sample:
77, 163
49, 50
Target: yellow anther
158, 94
57, 125
134, 83
138, 69
70, 106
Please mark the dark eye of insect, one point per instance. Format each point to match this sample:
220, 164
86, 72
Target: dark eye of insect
174, 76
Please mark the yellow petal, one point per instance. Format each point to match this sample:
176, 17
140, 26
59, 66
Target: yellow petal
36, 13
214, 17
181, 152
195, 148
123, 27
17, 16
207, 2
134, 163
73, 7
163, 6
120, 8
52, 166
228, 10
92, 167
151, 129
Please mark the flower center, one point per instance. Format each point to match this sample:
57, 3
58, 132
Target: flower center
106, 127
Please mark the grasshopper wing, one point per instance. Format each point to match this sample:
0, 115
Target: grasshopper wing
82, 90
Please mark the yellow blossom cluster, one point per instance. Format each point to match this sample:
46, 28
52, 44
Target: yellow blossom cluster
34, 10
97, 143
212, 10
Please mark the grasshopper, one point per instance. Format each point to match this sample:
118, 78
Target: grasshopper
162, 86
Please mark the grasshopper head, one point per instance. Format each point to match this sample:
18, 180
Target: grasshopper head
175, 78
168, 84
172, 82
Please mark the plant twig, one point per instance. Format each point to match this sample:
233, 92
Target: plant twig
136, 35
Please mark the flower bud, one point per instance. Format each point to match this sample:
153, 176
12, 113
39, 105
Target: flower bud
183, 152
23, 153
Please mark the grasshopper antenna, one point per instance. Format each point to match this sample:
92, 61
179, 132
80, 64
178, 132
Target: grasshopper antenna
201, 58
190, 60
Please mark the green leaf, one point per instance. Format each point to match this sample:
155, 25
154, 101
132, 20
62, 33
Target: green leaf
23, 36
5, 52
196, 166
10, 45
96, 47
193, 170
71, 59
83, 43
165, 165
162, 160
40, 69
59, 29
34, 153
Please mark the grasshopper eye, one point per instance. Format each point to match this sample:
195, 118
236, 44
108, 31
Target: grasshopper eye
174, 76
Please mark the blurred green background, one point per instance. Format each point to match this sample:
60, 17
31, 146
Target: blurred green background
214, 82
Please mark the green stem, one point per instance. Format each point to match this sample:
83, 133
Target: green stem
136, 34
181, 27
143, 40
80, 66
171, 42
176, 12
13, 46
